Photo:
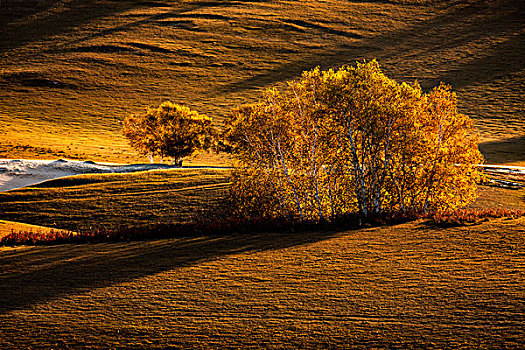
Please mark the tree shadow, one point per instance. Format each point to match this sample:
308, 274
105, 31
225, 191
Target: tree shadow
80, 12
24, 28
40, 274
457, 25
155, 18
504, 151
14, 10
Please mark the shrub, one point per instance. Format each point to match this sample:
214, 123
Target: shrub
460, 217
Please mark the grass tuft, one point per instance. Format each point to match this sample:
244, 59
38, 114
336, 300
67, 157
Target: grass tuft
462, 217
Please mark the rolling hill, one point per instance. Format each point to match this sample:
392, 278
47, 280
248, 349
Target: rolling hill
70, 71
409, 286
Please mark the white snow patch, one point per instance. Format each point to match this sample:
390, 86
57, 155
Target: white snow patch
17, 173
506, 169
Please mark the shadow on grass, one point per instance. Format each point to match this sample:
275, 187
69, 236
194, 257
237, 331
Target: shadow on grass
31, 27
504, 151
450, 30
153, 19
39, 274
13, 10
20, 27
110, 201
77, 13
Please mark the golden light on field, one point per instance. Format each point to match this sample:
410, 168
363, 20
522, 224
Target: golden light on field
68, 76
72, 70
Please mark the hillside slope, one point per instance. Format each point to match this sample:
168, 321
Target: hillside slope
71, 70
6, 227
112, 200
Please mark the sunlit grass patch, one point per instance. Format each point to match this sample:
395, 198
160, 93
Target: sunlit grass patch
111, 200
10, 227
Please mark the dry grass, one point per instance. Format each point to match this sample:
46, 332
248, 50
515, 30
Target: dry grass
407, 286
145, 198
6, 227
71, 70
501, 198
111, 200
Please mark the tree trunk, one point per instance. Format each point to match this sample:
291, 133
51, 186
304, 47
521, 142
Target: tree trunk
290, 182
316, 180
358, 173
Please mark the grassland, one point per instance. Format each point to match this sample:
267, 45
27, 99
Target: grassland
407, 286
6, 227
164, 196
70, 71
113, 200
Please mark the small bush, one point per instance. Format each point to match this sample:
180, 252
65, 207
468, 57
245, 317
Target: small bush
461, 217
218, 226
228, 225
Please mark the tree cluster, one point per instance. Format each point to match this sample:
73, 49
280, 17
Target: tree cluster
351, 140
171, 131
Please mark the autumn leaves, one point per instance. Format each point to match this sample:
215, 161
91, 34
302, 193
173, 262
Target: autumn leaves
332, 143
170, 130
351, 140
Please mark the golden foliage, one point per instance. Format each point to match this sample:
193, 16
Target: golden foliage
169, 130
352, 140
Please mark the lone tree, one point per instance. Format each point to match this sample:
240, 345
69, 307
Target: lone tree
171, 131
351, 141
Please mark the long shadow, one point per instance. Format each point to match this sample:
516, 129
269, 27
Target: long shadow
504, 151
78, 13
41, 274
460, 23
75, 15
488, 67
154, 18
13, 10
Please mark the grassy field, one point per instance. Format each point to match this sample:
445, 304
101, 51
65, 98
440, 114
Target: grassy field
163, 196
112, 200
407, 286
6, 227
70, 71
